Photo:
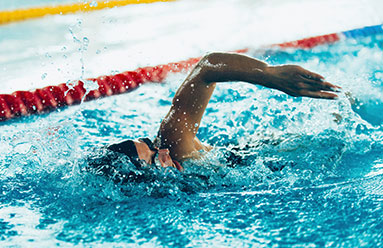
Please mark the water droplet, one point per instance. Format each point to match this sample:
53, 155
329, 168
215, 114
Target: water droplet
89, 85
85, 40
93, 4
44, 75
98, 51
196, 124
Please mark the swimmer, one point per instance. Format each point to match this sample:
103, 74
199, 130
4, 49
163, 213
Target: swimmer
176, 140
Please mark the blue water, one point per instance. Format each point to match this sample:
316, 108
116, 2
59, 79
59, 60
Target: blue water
327, 156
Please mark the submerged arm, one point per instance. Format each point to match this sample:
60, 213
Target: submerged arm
179, 127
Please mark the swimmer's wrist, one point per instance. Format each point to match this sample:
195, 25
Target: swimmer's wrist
266, 75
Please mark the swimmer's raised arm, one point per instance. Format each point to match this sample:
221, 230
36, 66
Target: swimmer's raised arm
179, 128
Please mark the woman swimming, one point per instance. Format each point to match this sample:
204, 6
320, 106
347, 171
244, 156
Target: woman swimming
176, 139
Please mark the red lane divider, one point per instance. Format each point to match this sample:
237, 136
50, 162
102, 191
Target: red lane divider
312, 41
22, 103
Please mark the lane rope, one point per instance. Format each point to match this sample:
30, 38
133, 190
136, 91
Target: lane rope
21, 103
9, 16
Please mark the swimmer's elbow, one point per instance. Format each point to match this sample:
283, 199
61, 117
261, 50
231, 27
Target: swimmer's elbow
209, 65
213, 58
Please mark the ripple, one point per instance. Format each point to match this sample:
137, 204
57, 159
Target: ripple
284, 171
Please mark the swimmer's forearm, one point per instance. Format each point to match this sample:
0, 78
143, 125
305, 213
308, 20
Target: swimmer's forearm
291, 79
225, 67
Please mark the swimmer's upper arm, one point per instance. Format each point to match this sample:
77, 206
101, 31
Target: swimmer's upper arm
180, 126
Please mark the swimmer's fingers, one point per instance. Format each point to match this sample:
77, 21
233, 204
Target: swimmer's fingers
317, 80
319, 85
311, 75
318, 94
332, 87
297, 81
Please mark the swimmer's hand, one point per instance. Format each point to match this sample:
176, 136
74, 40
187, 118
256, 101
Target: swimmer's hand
167, 161
296, 81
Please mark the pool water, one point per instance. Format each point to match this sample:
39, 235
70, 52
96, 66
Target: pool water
284, 171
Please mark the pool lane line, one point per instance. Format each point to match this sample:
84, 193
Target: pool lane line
22, 103
365, 31
9, 16
311, 42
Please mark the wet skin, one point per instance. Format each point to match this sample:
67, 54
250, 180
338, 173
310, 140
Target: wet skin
179, 127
